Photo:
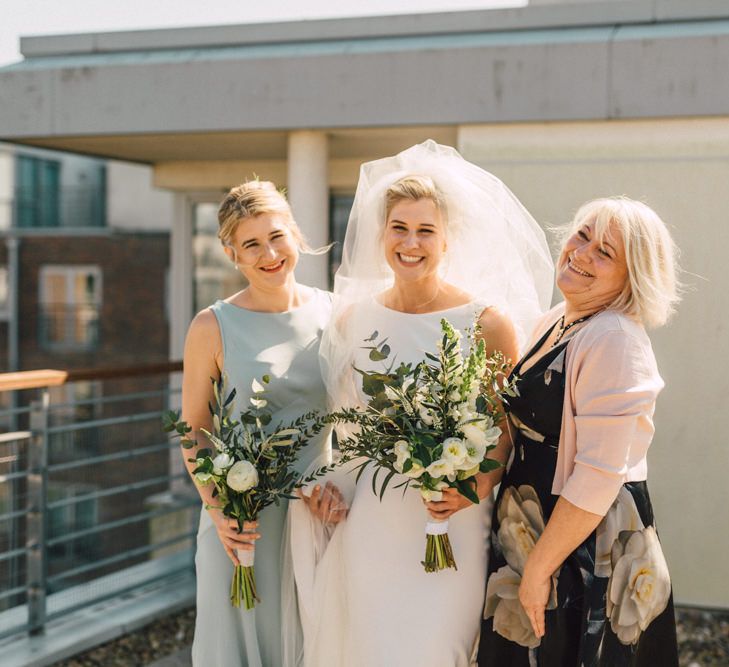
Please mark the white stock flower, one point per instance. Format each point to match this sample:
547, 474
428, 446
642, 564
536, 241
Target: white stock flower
622, 515
440, 468
434, 495
639, 586
455, 396
521, 522
242, 476
221, 463
454, 451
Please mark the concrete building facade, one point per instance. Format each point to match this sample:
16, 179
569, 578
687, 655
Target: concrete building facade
563, 101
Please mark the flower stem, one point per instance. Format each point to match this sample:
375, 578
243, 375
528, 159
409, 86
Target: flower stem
438, 553
243, 587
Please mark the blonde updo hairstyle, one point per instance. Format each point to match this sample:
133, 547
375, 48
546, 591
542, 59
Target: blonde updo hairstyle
413, 188
254, 198
652, 289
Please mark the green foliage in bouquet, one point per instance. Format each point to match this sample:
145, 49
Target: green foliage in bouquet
250, 464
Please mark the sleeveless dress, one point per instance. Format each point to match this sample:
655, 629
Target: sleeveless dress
578, 628
370, 603
286, 347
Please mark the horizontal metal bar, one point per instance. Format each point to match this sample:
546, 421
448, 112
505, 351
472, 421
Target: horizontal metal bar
13, 515
12, 591
133, 486
119, 398
116, 456
14, 436
7, 555
9, 412
110, 421
131, 553
14, 630
136, 518
9, 476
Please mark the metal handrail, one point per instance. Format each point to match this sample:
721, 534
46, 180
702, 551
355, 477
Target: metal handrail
28, 514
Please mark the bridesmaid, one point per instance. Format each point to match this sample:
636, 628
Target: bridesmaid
271, 327
577, 574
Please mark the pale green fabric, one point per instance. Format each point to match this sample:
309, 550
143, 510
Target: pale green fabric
284, 346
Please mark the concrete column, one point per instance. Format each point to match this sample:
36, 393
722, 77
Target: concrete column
308, 193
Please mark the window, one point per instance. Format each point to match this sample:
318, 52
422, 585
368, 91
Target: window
339, 209
70, 300
37, 195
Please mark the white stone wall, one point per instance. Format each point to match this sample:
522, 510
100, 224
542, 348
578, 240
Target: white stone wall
680, 168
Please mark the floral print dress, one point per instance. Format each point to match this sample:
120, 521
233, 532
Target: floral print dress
611, 602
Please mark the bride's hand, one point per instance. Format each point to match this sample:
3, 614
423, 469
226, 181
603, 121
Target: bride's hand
326, 504
229, 536
452, 502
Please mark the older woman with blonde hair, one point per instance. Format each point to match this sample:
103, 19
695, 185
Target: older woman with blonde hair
272, 327
577, 575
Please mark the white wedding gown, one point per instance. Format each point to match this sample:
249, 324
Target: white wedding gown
364, 599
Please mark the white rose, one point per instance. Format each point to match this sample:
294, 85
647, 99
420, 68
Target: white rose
474, 433
521, 522
640, 586
454, 451
622, 515
440, 468
242, 476
221, 463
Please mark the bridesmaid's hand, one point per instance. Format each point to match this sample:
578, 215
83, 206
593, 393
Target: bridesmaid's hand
327, 505
229, 536
534, 593
452, 502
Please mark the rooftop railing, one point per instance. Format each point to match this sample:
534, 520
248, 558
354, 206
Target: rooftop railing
94, 499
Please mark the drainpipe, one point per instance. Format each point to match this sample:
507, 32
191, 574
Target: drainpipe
13, 246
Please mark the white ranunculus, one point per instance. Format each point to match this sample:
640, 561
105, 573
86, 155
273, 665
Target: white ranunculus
622, 515
640, 586
221, 463
474, 434
454, 451
434, 495
521, 522
502, 602
242, 476
440, 468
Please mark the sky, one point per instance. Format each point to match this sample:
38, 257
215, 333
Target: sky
51, 17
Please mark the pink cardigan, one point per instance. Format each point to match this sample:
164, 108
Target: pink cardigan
610, 395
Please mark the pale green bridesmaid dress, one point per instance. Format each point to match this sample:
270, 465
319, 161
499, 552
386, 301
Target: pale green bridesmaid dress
284, 346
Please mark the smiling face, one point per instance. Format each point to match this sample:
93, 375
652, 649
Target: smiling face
264, 249
414, 239
592, 271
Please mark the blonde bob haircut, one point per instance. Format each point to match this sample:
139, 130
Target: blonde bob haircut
414, 188
253, 198
652, 289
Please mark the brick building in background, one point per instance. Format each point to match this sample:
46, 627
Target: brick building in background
84, 262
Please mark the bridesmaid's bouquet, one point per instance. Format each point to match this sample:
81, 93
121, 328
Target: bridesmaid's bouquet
250, 465
434, 422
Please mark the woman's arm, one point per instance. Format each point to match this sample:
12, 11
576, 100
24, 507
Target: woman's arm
499, 335
567, 528
202, 361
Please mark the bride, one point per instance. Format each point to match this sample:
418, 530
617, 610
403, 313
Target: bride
430, 236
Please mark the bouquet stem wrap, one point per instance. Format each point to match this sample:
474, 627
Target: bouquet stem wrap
243, 586
438, 551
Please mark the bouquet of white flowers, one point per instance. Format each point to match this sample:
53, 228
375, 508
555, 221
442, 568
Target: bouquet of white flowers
251, 465
434, 423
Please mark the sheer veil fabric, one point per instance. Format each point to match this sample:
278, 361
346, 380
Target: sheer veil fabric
498, 254
496, 251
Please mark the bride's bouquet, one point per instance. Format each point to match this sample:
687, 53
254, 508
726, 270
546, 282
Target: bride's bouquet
250, 465
434, 423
